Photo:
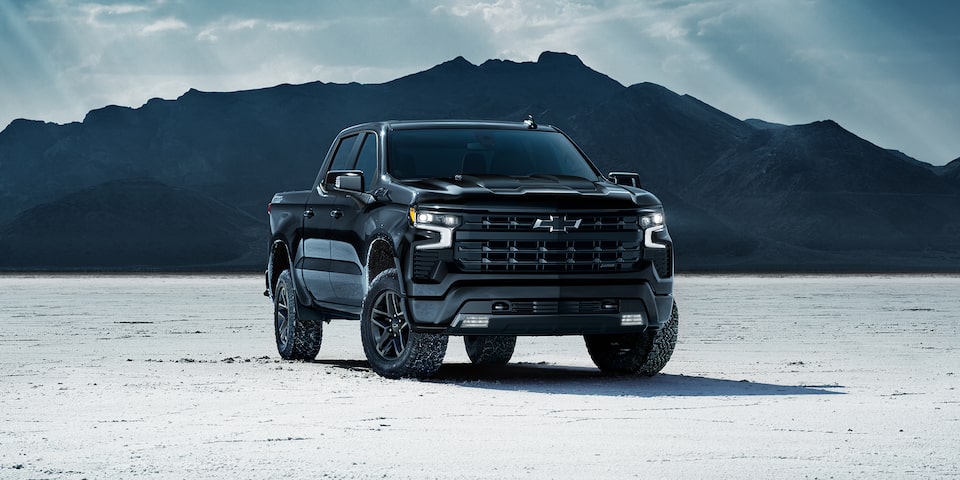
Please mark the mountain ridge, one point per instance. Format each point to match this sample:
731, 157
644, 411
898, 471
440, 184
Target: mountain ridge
741, 195
158, 224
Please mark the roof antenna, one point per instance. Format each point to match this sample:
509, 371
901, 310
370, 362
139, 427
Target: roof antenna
530, 122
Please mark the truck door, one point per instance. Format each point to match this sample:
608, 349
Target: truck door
316, 263
347, 229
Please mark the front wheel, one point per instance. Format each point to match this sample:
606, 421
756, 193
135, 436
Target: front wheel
490, 349
663, 345
623, 353
642, 353
393, 349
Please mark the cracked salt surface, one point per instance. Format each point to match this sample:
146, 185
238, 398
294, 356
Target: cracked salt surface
774, 377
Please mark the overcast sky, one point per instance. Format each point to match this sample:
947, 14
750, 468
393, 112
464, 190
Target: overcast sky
888, 70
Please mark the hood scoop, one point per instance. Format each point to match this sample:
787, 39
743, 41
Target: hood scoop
531, 184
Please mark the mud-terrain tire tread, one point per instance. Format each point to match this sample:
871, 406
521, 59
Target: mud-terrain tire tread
620, 353
490, 349
663, 345
306, 335
423, 352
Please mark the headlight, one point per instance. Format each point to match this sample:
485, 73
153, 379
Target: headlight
421, 218
441, 223
651, 220
651, 223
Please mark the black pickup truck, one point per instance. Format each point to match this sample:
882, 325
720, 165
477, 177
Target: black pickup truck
485, 230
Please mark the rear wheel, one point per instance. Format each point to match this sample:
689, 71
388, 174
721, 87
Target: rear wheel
490, 349
297, 338
393, 349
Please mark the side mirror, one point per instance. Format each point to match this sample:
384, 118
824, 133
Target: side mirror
351, 182
345, 180
629, 179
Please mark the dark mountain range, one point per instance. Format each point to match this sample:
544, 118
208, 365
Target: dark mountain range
137, 223
668, 138
762, 124
820, 187
952, 171
137, 188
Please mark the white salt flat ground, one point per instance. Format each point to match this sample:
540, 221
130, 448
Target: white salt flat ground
774, 377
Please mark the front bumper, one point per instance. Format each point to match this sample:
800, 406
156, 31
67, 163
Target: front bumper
498, 275
519, 308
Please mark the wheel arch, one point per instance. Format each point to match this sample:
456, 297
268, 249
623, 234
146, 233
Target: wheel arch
279, 260
381, 255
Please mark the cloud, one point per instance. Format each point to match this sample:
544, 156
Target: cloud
213, 31
164, 25
102, 15
94, 10
294, 26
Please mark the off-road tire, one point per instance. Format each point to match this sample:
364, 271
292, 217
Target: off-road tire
490, 349
393, 349
663, 344
621, 353
297, 338
642, 353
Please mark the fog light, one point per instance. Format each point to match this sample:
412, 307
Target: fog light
632, 319
475, 321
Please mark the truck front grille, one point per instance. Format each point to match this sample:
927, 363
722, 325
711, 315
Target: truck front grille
563, 307
547, 256
611, 222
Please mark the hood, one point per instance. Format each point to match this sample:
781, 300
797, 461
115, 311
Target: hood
539, 191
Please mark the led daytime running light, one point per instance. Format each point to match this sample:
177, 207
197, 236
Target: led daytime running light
421, 218
651, 220
441, 223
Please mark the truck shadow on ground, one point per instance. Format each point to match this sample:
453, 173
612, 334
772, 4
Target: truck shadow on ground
571, 380
547, 378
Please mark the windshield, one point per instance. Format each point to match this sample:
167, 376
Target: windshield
447, 152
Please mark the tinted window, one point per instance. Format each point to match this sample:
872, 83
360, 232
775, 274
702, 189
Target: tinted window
341, 159
367, 160
446, 152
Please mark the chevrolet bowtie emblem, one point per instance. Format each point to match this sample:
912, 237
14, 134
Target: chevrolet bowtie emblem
557, 224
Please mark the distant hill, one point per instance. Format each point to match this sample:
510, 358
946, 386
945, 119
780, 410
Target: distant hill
823, 189
184, 183
762, 124
137, 224
952, 171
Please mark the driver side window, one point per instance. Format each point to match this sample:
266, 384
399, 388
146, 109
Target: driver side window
342, 159
367, 160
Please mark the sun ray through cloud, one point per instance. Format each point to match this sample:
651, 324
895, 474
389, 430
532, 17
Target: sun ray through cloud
881, 68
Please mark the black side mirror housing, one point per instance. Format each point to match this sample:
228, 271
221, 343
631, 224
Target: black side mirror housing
350, 182
629, 179
345, 180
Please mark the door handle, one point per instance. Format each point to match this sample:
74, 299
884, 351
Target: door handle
336, 213
308, 213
